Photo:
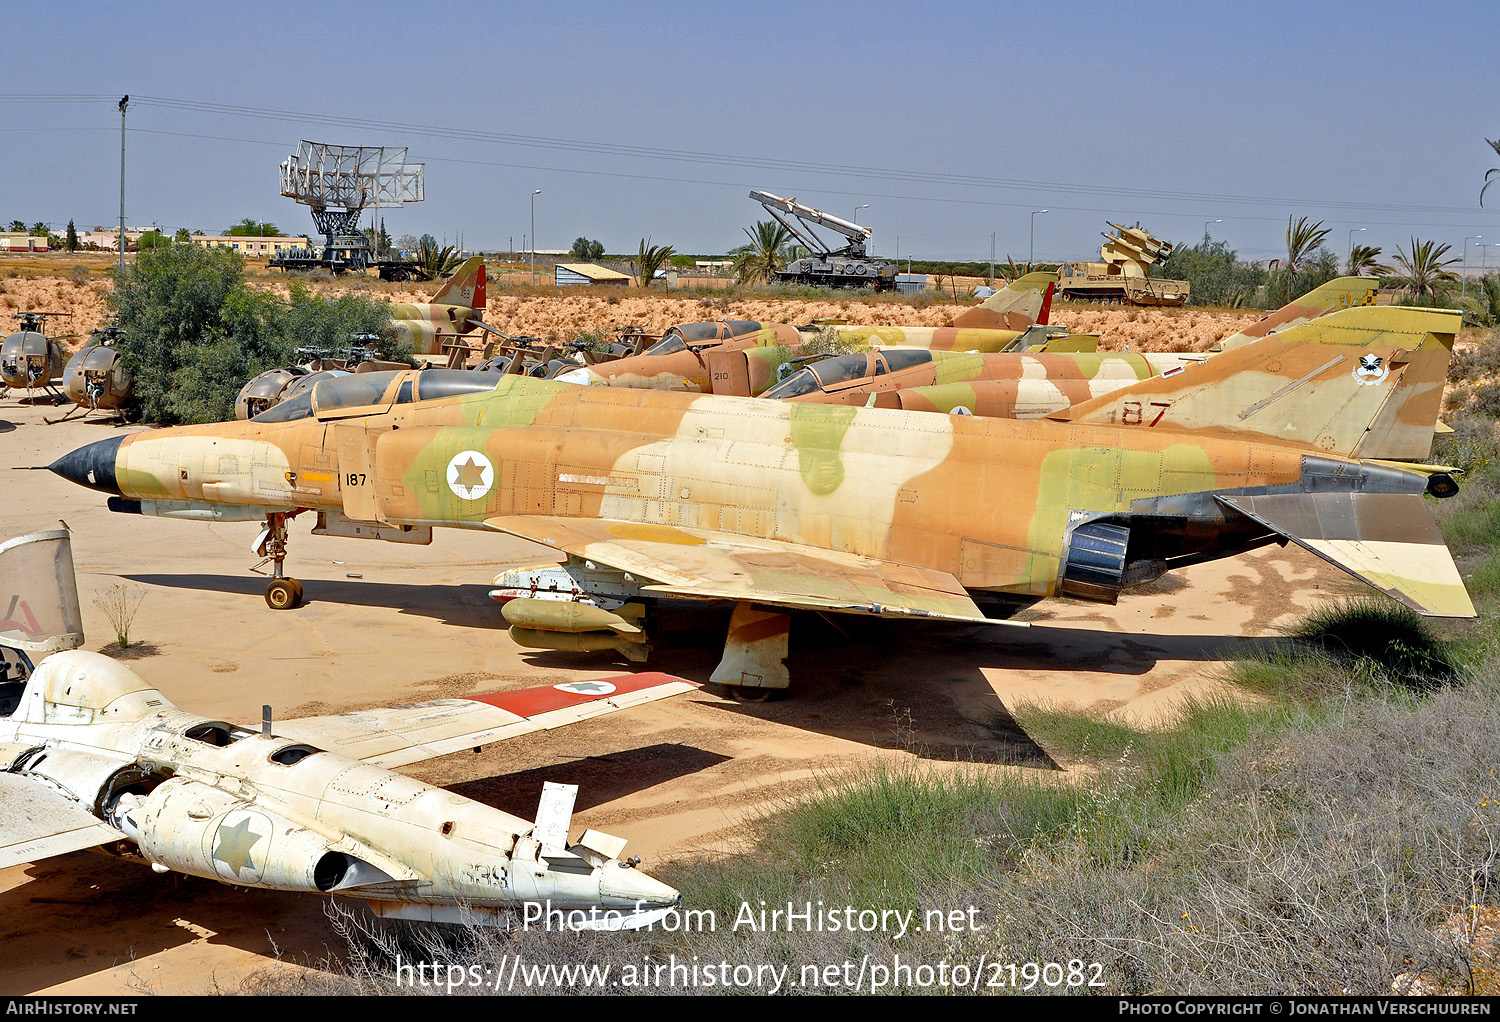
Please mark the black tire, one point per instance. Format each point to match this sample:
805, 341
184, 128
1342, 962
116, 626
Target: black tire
283, 593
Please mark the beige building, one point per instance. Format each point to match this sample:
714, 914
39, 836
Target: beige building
20, 241
251, 247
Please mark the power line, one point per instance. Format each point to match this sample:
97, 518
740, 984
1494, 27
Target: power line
1113, 210
600, 148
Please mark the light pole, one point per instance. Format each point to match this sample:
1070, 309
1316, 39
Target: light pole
992, 260
1032, 257
857, 209
124, 102
1463, 287
1353, 231
533, 235
1205, 228
1484, 260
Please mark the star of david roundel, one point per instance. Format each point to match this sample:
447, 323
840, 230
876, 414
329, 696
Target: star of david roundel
586, 688
470, 475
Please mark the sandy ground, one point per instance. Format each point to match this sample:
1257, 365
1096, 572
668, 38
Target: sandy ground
684, 777
554, 314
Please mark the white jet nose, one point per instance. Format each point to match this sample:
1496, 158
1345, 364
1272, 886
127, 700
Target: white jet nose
580, 376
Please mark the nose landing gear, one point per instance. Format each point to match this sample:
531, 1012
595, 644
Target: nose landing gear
282, 593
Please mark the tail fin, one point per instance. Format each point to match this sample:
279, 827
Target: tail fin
465, 287
1364, 382
1342, 293
1022, 302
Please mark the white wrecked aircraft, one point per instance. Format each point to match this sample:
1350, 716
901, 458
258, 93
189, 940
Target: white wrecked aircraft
91, 756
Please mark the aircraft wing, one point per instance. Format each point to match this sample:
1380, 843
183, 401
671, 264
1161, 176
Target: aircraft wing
701, 564
1387, 539
395, 736
40, 822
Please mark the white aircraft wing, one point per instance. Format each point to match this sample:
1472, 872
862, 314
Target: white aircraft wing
38, 822
395, 736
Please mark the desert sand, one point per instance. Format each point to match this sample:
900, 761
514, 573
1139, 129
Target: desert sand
386, 624
561, 314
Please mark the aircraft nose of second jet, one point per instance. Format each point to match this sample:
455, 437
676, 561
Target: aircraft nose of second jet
92, 465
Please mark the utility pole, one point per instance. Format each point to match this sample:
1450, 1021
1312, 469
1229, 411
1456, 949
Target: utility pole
1352, 232
992, 260
124, 102
533, 235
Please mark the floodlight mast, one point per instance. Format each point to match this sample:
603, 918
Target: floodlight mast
338, 183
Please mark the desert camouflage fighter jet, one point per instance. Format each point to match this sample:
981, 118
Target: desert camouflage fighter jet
92, 756
774, 507
681, 359
457, 308
1016, 384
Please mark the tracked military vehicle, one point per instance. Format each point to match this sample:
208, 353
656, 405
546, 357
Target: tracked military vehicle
1123, 277
849, 266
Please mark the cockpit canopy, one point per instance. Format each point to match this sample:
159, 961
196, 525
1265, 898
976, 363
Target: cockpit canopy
831, 372
364, 393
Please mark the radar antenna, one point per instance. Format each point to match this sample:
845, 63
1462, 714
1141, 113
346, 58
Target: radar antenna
338, 183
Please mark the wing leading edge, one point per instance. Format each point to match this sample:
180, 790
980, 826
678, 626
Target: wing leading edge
394, 736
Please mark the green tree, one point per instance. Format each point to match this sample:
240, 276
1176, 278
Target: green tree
587, 251
171, 303
437, 259
152, 239
72, 240
649, 259
1216, 275
18, 226
765, 254
1364, 262
182, 237
250, 228
1423, 275
1303, 240
194, 333
41, 229
1314, 270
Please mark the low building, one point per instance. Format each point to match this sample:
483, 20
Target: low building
577, 274
251, 246
20, 241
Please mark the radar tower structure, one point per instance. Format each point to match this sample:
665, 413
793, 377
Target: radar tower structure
338, 183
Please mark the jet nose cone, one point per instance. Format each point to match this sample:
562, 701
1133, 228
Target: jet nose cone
624, 886
92, 466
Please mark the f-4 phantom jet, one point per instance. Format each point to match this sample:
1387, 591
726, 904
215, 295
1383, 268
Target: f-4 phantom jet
773, 507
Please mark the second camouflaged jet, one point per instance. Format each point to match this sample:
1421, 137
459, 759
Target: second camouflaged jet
773, 507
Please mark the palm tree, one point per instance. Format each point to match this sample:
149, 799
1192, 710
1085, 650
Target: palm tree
1493, 174
1363, 262
1302, 241
649, 259
437, 260
767, 251
1422, 274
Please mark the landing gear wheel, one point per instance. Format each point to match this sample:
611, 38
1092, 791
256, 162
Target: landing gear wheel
745, 694
283, 593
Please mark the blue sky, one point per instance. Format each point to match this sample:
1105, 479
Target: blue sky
1363, 115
